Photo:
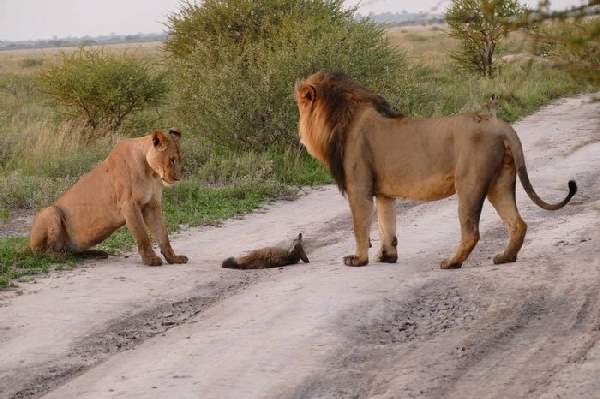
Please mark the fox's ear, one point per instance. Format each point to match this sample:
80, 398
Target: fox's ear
300, 236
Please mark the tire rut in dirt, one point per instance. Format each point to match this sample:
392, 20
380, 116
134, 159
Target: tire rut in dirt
517, 350
123, 334
379, 333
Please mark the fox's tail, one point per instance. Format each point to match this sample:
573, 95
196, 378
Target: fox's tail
230, 263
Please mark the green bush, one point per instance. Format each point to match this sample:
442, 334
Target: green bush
574, 44
19, 191
102, 88
32, 62
236, 62
479, 25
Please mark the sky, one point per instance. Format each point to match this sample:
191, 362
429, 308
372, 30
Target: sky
45, 19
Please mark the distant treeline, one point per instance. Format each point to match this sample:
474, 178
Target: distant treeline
406, 18
82, 41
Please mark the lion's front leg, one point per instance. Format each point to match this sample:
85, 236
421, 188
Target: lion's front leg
386, 216
154, 221
361, 206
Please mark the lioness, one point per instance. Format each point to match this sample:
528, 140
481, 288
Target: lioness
125, 188
372, 151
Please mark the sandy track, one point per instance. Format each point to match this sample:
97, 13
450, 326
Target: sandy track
118, 329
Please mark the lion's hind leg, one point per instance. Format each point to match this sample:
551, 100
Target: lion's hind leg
469, 212
502, 196
48, 235
471, 189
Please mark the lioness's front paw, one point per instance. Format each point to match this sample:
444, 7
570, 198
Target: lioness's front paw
177, 259
354, 261
152, 261
446, 264
501, 258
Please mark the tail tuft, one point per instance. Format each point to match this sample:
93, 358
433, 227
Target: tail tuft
572, 189
230, 263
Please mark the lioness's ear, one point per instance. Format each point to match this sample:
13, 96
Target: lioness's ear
159, 140
175, 133
308, 93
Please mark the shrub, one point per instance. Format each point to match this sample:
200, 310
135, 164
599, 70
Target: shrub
31, 62
101, 88
479, 25
19, 191
236, 62
575, 46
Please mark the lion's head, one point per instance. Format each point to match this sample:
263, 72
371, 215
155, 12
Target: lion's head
164, 157
328, 104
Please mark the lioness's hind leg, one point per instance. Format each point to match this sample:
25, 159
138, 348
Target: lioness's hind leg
386, 216
502, 196
47, 233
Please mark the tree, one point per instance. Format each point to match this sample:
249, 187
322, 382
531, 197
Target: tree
569, 38
102, 88
236, 62
479, 25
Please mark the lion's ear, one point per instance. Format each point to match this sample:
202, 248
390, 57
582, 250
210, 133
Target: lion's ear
308, 93
159, 140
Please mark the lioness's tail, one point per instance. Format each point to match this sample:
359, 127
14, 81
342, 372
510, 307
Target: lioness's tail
230, 263
517, 153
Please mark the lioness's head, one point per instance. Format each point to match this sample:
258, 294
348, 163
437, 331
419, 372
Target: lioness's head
164, 156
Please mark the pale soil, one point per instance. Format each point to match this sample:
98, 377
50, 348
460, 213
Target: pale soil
528, 329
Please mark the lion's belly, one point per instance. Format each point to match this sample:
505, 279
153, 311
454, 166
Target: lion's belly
430, 188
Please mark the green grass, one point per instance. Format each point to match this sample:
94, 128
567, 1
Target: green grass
17, 261
4, 214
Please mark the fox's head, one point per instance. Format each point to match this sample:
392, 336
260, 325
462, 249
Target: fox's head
297, 247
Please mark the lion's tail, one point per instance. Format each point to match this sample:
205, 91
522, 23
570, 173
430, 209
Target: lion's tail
517, 152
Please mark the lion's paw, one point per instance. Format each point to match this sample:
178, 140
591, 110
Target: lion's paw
354, 261
152, 261
446, 264
501, 258
177, 259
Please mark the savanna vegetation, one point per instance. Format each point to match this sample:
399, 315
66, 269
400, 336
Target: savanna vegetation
225, 79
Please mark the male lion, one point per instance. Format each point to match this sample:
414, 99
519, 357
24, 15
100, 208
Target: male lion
372, 151
126, 188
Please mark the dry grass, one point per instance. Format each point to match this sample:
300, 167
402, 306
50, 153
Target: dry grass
426, 45
16, 61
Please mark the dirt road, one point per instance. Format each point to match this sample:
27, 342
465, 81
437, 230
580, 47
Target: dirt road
407, 330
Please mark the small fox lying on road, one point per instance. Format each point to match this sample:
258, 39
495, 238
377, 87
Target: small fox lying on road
269, 257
